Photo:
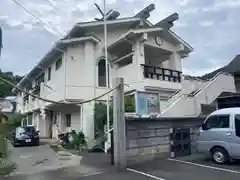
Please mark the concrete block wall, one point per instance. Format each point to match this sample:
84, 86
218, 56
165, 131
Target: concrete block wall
148, 139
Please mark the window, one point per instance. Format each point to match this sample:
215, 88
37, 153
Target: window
237, 124
49, 73
68, 120
24, 122
58, 63
101, 73
39, 79
29, 120
20, 130
217, 121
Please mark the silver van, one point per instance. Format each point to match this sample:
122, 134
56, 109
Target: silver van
219, 136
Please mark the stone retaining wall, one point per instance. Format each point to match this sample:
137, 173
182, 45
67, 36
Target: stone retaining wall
147, 139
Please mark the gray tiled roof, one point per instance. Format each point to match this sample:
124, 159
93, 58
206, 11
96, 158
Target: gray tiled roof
233, 67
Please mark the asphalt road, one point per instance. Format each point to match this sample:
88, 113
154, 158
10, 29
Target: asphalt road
184, 170
41, 158
96, 166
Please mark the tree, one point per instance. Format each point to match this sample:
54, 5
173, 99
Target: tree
100, 118
129, 102
100, 114
6, 89
3, 133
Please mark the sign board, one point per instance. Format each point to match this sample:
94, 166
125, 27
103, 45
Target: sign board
147, 103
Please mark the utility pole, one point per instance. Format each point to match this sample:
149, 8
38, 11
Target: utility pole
1, 41
106, 66
119, 130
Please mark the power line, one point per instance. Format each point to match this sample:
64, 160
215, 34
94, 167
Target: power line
44, 23
55, 102
51, 4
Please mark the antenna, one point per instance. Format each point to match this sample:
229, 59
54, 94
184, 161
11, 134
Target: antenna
99, 9
110, 15
167, 23
113, 15
145, 13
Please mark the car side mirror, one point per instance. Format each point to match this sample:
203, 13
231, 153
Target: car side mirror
204, 127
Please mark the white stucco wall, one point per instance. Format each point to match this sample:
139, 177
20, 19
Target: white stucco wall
192, 85
166, 45
78, 75
191, 106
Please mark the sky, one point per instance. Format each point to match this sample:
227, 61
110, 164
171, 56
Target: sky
211, 27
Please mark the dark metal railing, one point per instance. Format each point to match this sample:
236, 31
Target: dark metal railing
162, 74
36, 91
25, 98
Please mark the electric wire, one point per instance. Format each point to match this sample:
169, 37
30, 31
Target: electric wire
41, 21
56, 102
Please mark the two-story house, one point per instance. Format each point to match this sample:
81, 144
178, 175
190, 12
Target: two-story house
148, 56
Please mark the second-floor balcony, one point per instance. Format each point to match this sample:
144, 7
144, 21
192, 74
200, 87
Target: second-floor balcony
36, 91
155, 77
162, 74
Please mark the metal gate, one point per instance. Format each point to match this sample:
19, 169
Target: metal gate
180, 142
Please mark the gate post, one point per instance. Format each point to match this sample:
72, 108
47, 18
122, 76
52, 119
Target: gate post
119, 129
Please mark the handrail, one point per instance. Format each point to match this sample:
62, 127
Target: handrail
175, 93
168, 107
151, 66
208, 83
205, 85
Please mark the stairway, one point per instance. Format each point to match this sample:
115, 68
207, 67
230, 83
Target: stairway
190, 105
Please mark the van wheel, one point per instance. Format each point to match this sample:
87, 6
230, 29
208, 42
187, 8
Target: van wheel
220, 156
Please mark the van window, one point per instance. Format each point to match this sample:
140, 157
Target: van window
237, 124
217, 121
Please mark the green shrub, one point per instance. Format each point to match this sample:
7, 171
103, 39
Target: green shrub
79, 140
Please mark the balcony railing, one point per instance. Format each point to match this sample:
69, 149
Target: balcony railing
25, 98
162, 74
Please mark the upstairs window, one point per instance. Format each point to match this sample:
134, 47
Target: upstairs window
58, 64
39, 79
102, 73
49, 73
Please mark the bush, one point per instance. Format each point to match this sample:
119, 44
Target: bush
14, 121
79, 140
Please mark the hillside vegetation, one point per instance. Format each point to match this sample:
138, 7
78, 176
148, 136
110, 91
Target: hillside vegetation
6, 89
